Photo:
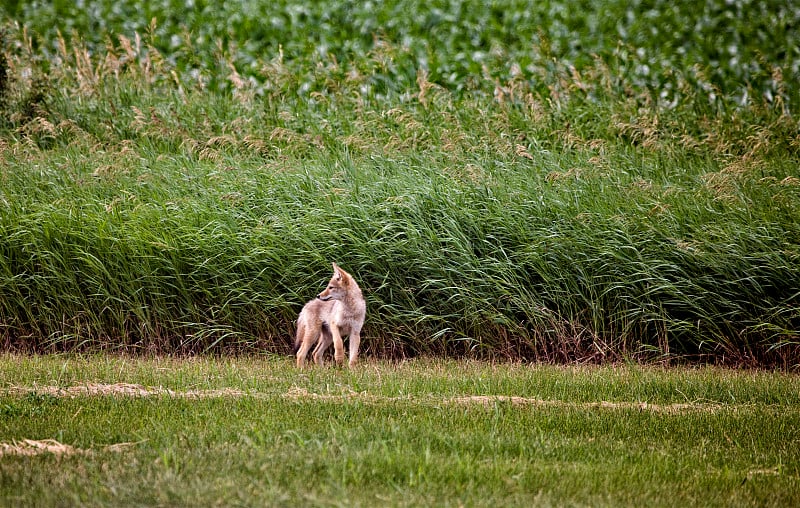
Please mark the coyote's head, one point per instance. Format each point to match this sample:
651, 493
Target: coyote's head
338, 286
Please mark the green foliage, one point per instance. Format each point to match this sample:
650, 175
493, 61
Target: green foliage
504, 181
731, 48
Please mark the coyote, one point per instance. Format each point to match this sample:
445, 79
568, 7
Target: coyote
337, 311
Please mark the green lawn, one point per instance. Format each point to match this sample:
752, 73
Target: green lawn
255, 431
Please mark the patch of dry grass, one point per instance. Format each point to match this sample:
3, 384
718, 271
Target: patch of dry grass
32, 447
302, 394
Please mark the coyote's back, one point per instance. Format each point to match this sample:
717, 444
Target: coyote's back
336, 312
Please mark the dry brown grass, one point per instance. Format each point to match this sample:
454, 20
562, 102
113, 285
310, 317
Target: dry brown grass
31, 447
121, 390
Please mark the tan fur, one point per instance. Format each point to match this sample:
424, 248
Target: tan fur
336, 312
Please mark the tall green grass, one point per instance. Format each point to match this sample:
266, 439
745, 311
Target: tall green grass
559, 210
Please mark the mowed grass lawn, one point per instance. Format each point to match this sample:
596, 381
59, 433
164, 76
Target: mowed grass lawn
253, 431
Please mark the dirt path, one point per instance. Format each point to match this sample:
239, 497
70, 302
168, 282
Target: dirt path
121, 389
29, 447
299, 393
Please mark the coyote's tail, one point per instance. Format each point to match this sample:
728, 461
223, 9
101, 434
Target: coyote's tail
298, 338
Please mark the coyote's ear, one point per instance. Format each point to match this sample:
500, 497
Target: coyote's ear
337, 272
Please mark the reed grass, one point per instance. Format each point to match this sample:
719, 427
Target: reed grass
169, 199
